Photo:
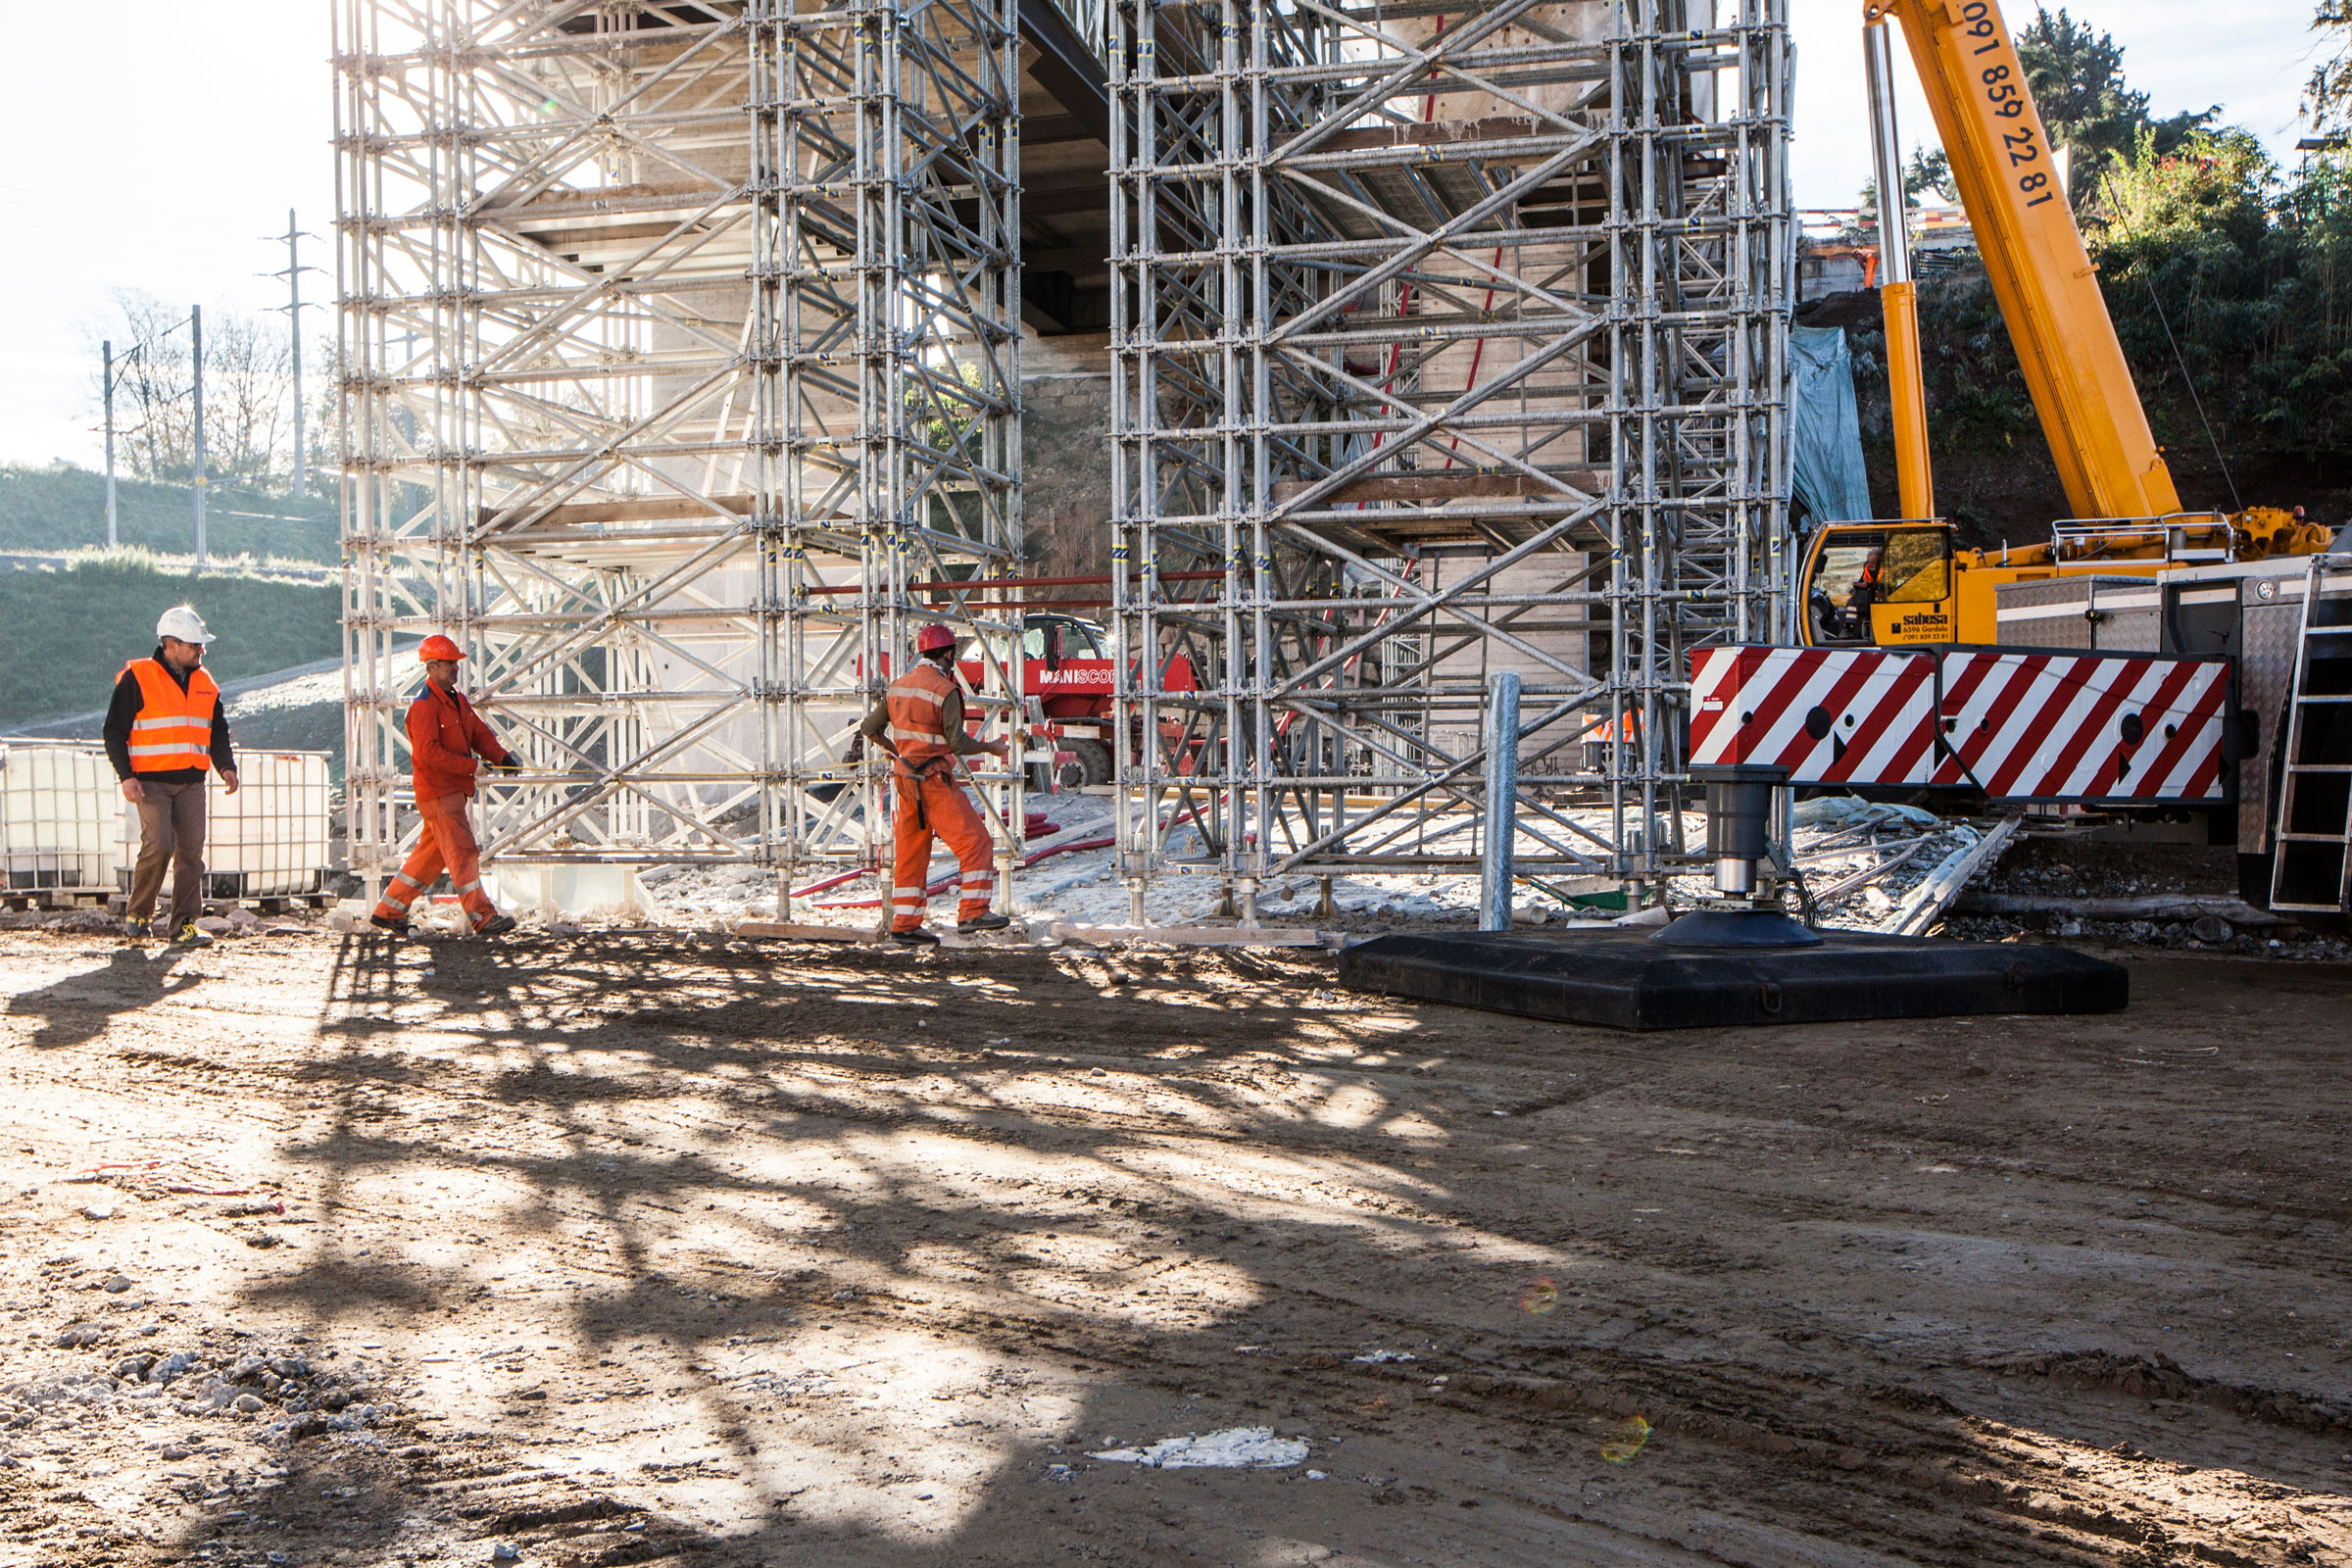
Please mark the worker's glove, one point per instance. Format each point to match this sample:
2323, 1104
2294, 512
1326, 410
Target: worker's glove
508, 766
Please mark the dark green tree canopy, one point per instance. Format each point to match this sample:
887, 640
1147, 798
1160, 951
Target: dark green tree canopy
2077, 78
2327, 97
1925, 171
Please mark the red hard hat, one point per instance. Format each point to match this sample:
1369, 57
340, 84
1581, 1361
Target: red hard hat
932, 638
438, 647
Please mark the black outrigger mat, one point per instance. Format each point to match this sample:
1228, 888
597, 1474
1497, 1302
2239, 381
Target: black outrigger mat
1623, 980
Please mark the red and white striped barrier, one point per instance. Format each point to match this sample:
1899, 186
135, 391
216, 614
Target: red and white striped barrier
2090, 728
1829, 716
2019, 726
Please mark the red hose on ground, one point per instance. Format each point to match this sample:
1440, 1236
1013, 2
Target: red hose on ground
950, 879
823, 883
1036, 823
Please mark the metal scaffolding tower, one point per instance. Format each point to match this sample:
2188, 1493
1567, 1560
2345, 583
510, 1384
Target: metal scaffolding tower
679, 384
1451, 338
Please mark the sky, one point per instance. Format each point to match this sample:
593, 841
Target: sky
153, 150
2251, 57
149, 145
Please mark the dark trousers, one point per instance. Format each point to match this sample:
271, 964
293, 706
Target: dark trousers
170, 832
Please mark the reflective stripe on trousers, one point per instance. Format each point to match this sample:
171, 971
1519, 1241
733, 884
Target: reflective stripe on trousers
937, 806
446, 842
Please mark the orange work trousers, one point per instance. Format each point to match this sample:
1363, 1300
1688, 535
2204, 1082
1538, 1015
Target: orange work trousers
446, 842
934, 805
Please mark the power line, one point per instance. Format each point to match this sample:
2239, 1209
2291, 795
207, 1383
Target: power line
2195, 402
293, 309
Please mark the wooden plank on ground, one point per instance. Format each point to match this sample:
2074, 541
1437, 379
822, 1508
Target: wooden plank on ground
1194, 935
2181, 906
801, 931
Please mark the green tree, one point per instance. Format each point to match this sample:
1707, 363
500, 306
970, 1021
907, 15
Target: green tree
2216, 192
2221, 279
2220, 276
2076, 78
2327, 95
1927, 171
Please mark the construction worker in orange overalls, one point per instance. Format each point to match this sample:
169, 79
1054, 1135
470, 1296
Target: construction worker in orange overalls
445, 737
920, 722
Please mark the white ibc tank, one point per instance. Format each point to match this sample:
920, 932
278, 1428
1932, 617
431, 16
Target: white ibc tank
57, 816
267, 840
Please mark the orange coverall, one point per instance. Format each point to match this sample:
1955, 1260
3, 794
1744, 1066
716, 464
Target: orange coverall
923, 714
445, 736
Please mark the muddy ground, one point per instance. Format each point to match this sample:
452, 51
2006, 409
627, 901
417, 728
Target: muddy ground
688, 1251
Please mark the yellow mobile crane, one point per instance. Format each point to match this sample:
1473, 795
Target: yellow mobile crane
1892, 583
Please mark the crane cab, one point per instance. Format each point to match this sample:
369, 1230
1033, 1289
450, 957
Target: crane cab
1878, 585
1890, 584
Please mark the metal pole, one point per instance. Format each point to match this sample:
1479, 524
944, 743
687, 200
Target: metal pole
1899, 295
196, 485
1886, 157
1503, 801
294, 336
106, 351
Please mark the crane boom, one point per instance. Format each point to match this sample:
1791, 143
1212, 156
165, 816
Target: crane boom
2048, 290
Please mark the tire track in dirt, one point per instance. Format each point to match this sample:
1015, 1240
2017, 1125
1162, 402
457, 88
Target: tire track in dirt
1841, 1443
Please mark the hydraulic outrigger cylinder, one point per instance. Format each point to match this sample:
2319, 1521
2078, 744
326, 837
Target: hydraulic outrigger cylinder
1899, 296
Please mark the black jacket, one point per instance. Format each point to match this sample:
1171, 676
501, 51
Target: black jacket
126, 708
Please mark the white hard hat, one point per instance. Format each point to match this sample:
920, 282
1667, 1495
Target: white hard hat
185, 623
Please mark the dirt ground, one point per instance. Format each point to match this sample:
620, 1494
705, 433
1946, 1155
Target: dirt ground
691, 1250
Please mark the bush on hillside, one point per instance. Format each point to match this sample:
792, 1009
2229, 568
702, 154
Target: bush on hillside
2252, 276
71, 632
2249, 275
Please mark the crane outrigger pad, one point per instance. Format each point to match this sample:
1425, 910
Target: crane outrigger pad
1623, 980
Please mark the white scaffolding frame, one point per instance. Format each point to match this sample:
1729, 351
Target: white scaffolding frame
1450, 337
680, 384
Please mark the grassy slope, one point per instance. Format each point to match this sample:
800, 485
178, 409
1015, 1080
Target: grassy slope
70, 632
65, 509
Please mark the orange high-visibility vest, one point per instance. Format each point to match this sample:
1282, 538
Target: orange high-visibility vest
914, 700
174, 728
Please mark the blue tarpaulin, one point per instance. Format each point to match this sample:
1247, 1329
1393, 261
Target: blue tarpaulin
1828, 477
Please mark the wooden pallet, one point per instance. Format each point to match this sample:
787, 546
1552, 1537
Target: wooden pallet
280, 903
51, 899
1191, 936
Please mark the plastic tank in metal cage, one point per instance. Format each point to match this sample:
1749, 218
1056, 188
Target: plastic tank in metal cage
268, 840
57, 816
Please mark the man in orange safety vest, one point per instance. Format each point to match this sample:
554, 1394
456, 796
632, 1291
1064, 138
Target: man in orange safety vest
162, 731
445, 737
920, 722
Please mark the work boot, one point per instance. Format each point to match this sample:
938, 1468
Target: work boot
385, 923
137, 930
916, 938
990, 921
498, 925
188, 936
